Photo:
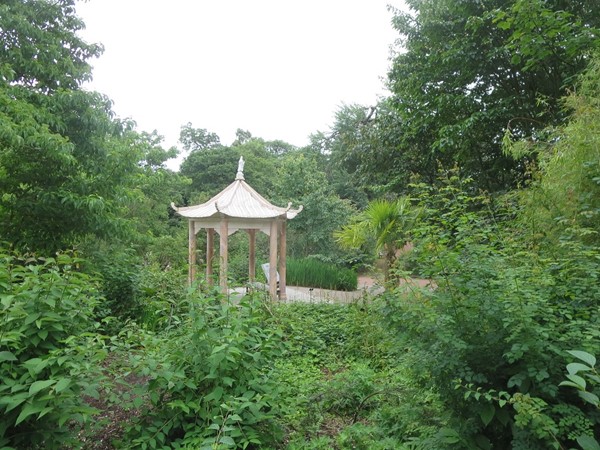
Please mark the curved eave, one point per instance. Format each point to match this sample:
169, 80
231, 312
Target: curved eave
238, 200
294, 212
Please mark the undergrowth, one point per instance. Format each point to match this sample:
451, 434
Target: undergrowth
343, 383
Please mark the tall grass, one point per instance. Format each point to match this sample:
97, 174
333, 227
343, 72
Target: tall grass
313, 273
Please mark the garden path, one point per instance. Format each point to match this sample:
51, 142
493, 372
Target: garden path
367, 286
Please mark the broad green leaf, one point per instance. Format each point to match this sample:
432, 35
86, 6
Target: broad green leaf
6, 300
37, 386
45, 411
448, 436
13, 401
43, 334
588, 443
487, 413
31, 318
569, 383
595, 378
590, 398
573, 368
219, 348
215, 395
577, 380
227, 441
62, 384
584, 356
7, 356
28, 410
35, 365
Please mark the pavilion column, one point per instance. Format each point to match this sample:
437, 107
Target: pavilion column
192, 252
273, 260
282, 261
224, 235
210, 254
252, 255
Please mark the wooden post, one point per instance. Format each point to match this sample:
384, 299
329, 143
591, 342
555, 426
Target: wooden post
224, 235
192, 252
282, 261
252, 255
210, 254
273, 260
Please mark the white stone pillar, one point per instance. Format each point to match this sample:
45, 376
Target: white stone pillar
224, 235
273, 260
192, 252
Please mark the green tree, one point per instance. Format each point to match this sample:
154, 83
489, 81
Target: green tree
357, 149
386, 222
40, 48
194, 139
470, 70
301, 180
566, 190
516, 290
65, 163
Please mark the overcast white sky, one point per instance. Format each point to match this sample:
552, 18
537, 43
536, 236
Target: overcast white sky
277, 68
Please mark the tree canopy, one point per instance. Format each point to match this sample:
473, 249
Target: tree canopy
67, 165
491, 132
466, 74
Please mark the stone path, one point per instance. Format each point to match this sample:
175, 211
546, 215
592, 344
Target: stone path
367, 286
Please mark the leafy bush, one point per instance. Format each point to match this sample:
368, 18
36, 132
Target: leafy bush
366, 437
119, 272
47, 358
347, 391
209, 380
340, 366
162, 297
499, 322
332, 332
314, 273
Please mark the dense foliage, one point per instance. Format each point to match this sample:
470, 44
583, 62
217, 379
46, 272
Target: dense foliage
209, 382
384, 225
49, 352
495, 333
491, 134
466, 74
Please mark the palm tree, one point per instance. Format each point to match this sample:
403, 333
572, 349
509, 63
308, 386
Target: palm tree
385, 221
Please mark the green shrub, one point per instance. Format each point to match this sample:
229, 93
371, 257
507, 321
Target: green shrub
493, 335
348, 391
342, 367
48, 361
209, 382
366, 437
313, 273
162, 297
331, 332
119, 272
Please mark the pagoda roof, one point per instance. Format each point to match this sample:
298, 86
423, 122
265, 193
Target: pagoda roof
238, 200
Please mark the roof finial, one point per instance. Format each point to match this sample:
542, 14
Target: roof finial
240, 171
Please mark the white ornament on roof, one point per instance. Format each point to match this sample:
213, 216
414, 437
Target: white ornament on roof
240, 171
238, 200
